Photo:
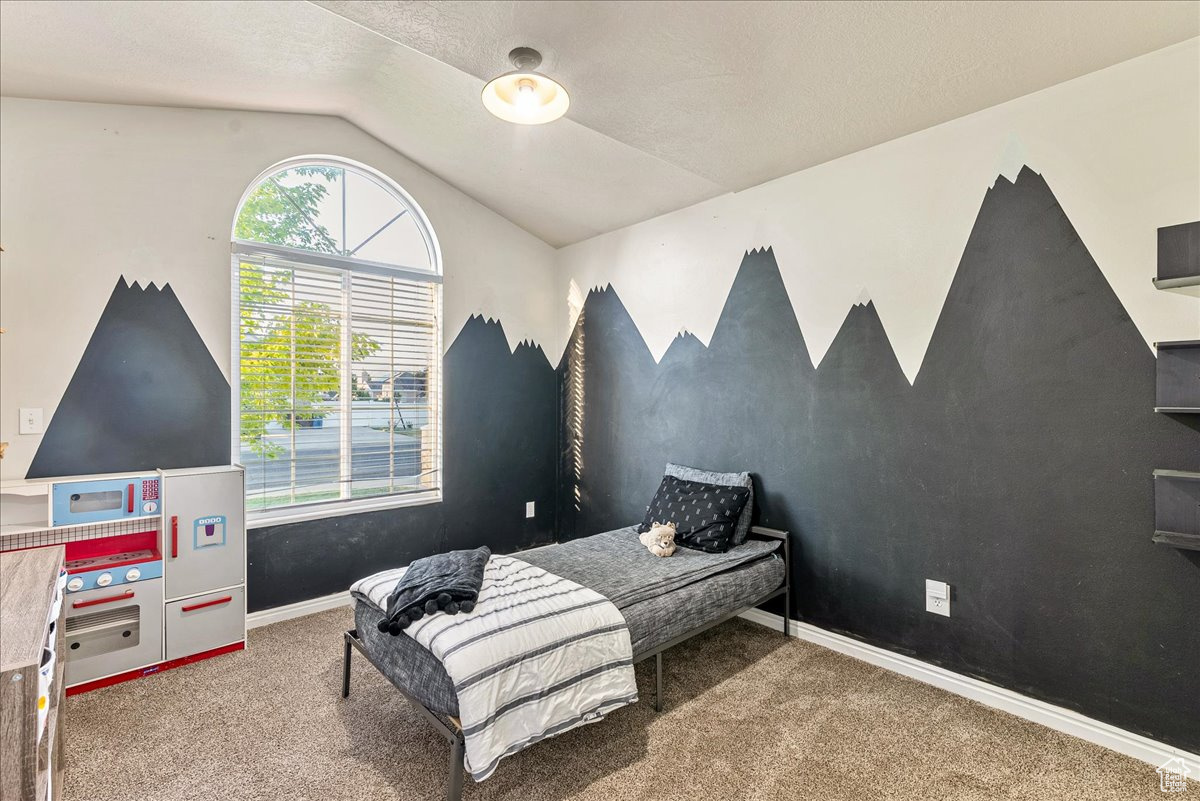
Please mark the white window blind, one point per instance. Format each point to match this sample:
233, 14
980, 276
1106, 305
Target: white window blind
339, 380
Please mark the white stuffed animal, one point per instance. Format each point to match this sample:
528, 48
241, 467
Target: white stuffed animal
660, 539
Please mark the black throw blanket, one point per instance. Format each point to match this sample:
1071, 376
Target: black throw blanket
448, 582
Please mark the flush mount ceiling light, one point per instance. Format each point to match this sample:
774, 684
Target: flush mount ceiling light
524, 96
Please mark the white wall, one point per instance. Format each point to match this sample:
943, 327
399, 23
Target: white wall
1120, 148
90, 192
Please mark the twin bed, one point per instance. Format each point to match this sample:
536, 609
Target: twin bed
664, 601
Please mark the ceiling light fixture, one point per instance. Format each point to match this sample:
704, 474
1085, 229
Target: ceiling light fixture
524, 96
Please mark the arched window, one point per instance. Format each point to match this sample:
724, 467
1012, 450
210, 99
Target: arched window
337, 289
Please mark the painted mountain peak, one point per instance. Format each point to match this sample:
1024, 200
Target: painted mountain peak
860, 340
1024, 261
150, 286
146, 394
1024, 173
685, 345
603, 307
600, 289
482, 332
487, 333
759, 286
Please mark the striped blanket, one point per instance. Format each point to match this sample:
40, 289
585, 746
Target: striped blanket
539, 655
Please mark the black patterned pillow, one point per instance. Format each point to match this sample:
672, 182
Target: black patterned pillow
705, 515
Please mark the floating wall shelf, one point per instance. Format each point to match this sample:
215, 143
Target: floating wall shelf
1178, 377
1178, 256
1177, 509
1187, 542
1177, 283
1177, 391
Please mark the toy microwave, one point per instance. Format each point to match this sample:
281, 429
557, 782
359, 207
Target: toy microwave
101, 500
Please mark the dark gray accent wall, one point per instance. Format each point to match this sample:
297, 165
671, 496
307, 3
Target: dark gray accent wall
1018, 466
298, 561
500, 431
146, 394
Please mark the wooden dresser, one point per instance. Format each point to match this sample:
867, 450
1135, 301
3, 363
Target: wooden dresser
31, 651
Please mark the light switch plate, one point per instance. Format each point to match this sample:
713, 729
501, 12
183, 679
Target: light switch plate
529, 509
30, 421
937, 597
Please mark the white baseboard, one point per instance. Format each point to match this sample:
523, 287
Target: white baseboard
1054, 717
276, 614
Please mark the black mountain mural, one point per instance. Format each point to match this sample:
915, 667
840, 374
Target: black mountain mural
1017, 467
146, 394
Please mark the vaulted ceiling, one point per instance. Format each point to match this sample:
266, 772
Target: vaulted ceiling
672, 102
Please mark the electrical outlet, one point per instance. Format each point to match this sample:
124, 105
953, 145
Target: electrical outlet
937, 597
529, 509
30, 421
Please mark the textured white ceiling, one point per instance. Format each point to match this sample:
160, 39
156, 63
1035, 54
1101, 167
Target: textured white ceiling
672, 103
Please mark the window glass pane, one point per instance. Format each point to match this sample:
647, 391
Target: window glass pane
291, 366
394, 443
380, 230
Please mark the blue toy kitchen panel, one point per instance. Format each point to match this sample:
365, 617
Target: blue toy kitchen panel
76, 503
115, 577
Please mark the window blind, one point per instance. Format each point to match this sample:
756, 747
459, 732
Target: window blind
339, 382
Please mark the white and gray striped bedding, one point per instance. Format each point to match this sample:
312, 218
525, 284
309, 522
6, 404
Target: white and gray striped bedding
539, 655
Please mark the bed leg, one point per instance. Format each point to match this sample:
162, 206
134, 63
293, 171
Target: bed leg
346, 665
787, 611
658, 692
454, 784
787, 592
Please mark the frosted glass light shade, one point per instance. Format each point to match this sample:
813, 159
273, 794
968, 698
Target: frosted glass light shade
526, 98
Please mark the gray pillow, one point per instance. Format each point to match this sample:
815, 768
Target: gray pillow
721, 480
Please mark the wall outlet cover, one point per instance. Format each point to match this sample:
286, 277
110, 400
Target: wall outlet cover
30, 421
529, 509
937, 597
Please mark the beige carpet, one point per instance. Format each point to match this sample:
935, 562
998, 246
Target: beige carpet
749, 716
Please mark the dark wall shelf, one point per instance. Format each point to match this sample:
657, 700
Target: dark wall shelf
1188, 542
1177, 391
1177, 283
1178, 256
1177, 509
1177, 385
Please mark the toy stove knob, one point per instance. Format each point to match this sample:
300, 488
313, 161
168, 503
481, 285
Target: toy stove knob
75, 584
104, 579
133, 574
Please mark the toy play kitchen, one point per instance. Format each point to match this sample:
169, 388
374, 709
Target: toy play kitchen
155, 566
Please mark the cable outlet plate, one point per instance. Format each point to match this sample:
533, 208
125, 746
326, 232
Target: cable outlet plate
937, 597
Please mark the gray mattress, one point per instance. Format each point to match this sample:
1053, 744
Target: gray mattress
661, 599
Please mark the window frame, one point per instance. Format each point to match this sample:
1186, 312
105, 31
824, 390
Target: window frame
243, 250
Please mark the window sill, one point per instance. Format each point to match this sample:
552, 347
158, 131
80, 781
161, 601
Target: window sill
299, 514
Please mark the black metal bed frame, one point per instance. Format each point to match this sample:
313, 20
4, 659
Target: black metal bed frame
449, 728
